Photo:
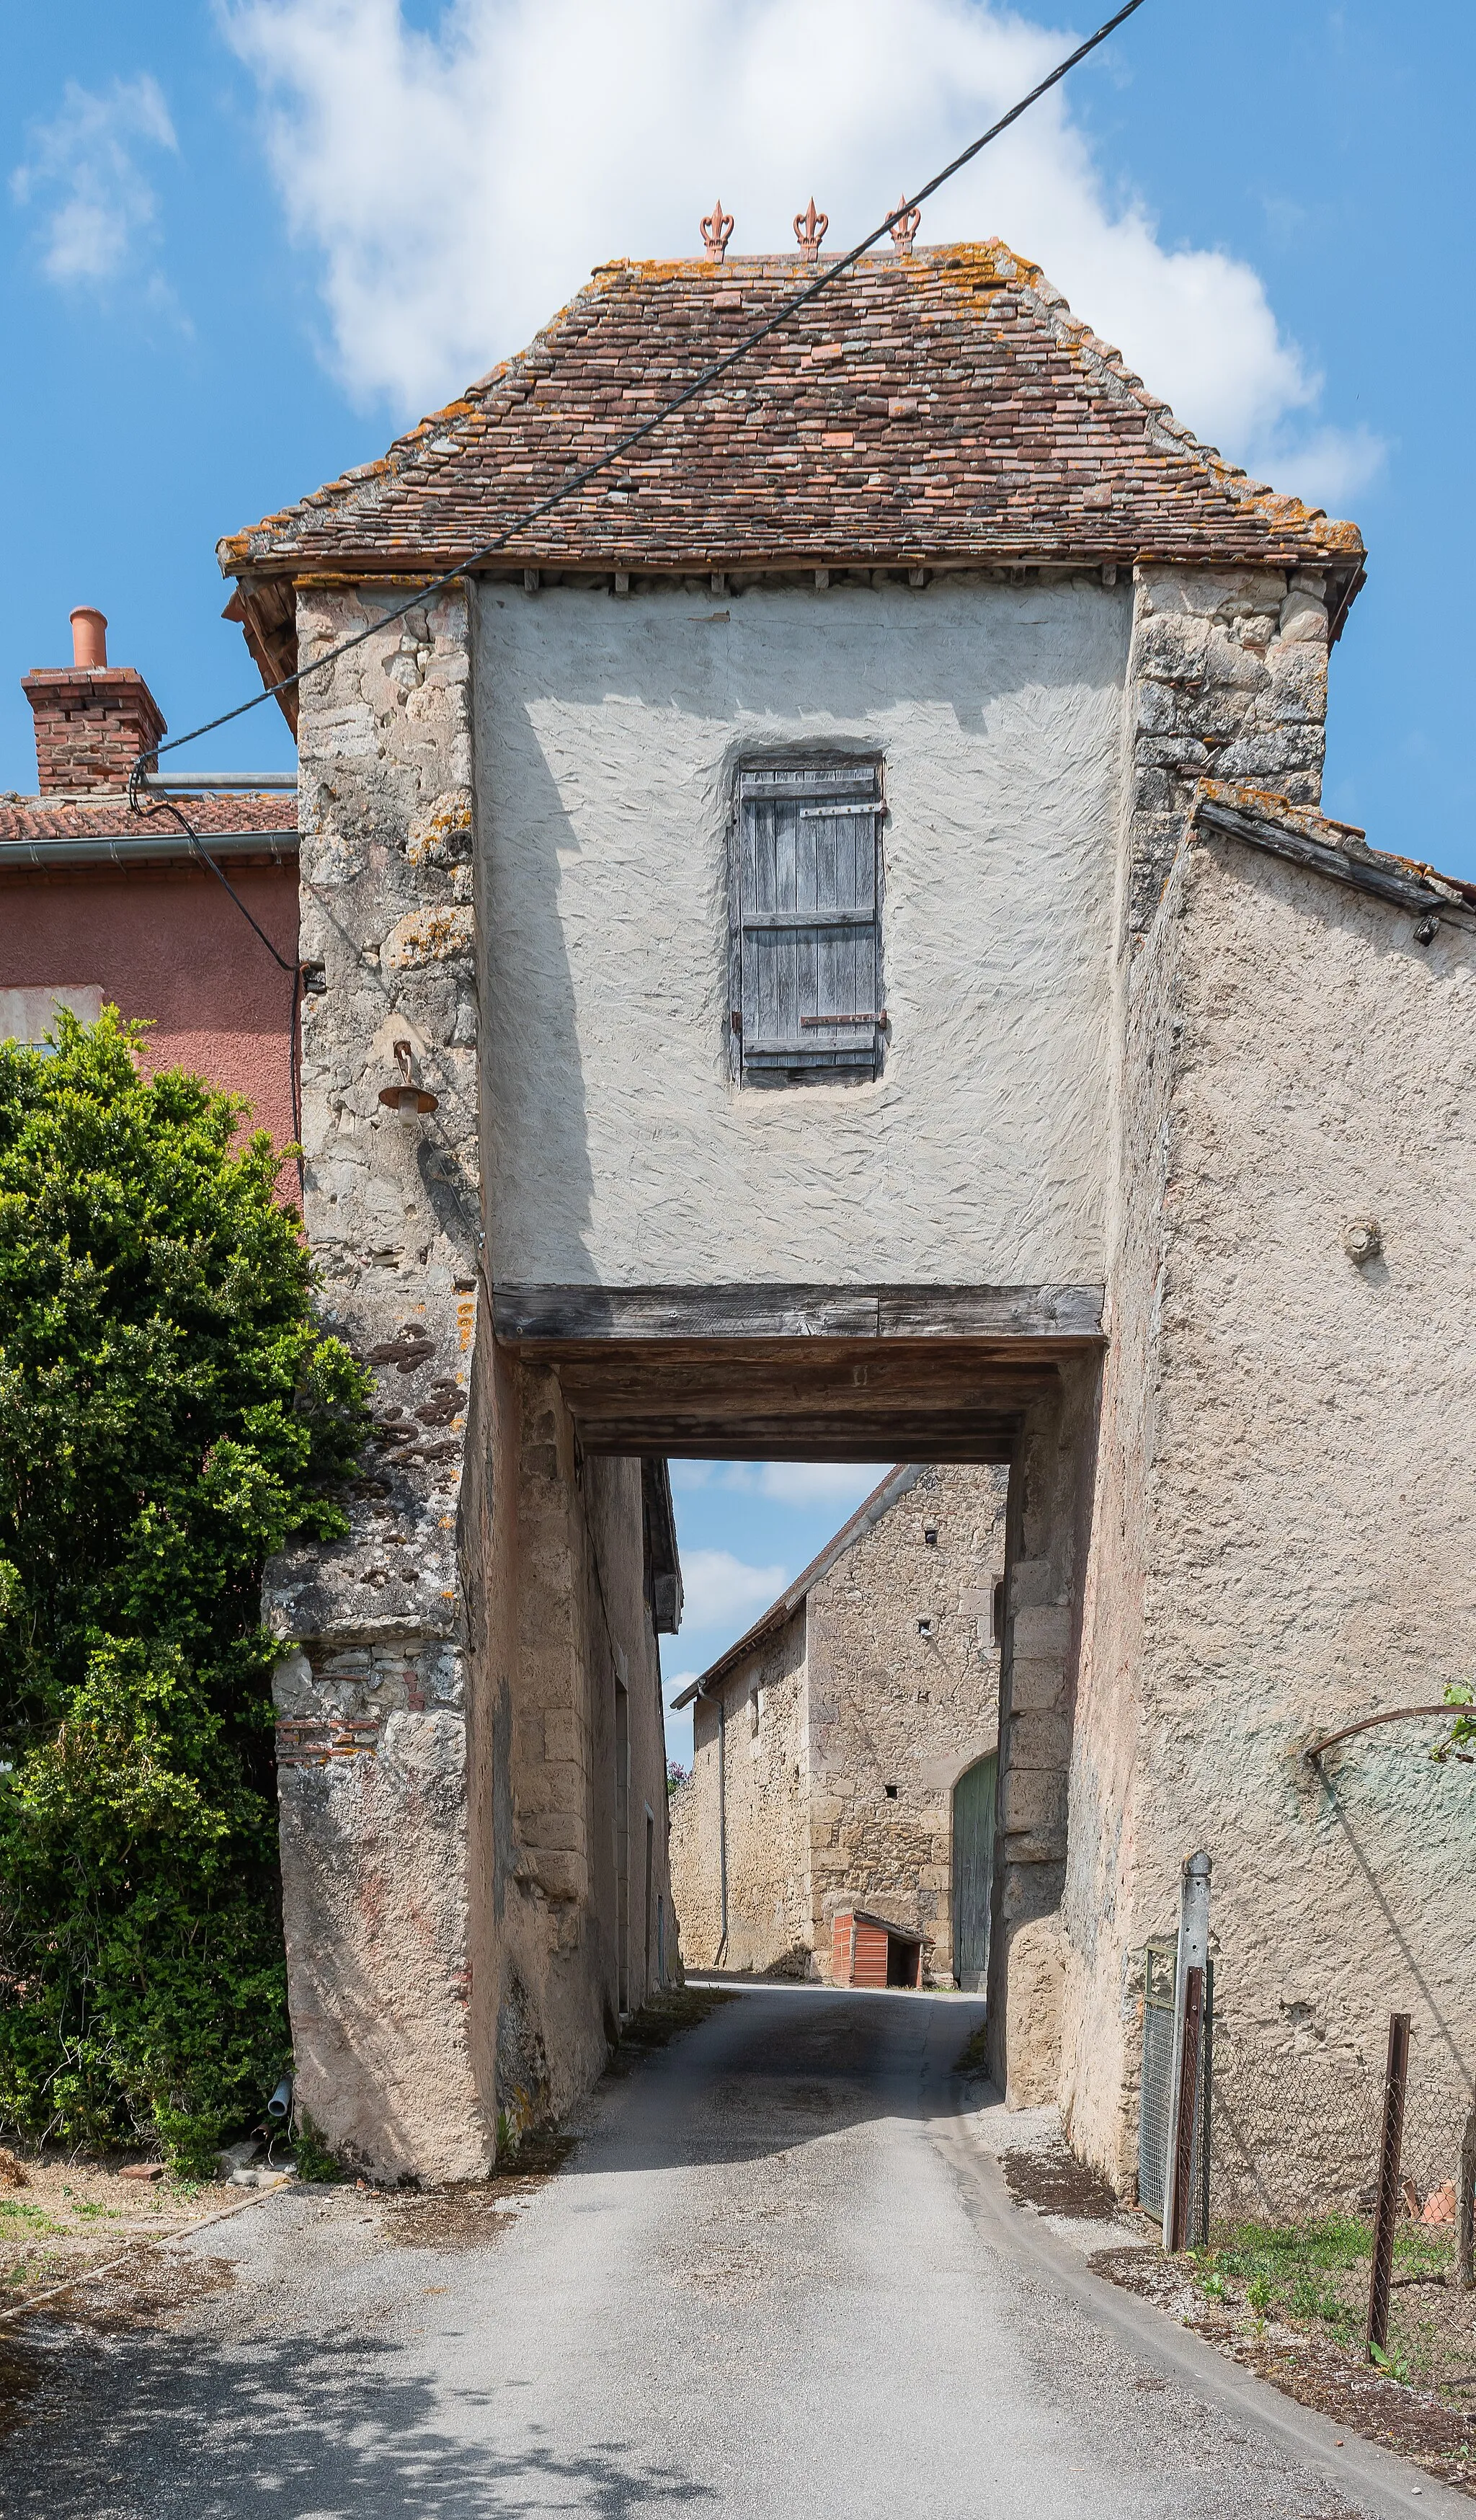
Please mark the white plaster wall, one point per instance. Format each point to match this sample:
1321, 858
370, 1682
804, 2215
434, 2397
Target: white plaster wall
608, 738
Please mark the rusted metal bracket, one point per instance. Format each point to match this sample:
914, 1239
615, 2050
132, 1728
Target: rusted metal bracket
1391, 1715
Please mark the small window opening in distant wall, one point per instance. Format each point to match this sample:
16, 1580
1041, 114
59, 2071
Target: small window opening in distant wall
930, 1534
997, 1620
891, 1793
925, 1626
754, 1704
806, 1001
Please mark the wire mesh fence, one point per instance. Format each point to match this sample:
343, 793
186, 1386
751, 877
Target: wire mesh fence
1295, 2132
1295, 2125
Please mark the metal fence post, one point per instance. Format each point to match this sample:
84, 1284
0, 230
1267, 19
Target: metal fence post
1465, 2207
1396, 2079
1188, 2023
1207, 2102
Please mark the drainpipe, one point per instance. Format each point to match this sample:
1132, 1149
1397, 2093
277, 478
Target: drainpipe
722, 1818
722, 1821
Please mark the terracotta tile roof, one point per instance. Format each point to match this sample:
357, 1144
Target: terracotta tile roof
939, 407
1263, 814
33, 817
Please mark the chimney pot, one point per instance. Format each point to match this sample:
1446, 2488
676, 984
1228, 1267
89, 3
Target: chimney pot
89, 637
92, 720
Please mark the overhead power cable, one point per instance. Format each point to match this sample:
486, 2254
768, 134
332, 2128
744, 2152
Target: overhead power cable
150, 814
575, 480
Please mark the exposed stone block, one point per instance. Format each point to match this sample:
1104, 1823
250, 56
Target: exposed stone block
1039, 1739
1041, 1630
1035, 1798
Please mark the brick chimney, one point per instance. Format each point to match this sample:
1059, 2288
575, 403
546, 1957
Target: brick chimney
93, 719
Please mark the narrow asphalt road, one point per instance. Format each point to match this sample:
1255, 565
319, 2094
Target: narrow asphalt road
774, 2278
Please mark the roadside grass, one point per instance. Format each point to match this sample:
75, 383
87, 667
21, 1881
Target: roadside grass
1312, 2277
1290, 2302
74, 2212
663, 2017
1316, 2271
972, 2059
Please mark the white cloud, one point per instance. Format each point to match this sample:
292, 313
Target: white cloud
82, 173
722, 1591
841, 1485
457, 185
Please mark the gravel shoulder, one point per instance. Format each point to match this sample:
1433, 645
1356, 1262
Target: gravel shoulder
1307, 2361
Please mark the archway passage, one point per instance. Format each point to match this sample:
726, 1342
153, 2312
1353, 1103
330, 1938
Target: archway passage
987, 1375
973, 1871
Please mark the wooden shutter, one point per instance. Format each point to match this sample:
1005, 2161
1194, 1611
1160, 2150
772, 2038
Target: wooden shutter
807, 928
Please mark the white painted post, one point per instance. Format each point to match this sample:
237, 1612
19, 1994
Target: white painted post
1193, 1953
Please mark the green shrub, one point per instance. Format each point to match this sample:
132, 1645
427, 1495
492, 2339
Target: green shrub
170, 1414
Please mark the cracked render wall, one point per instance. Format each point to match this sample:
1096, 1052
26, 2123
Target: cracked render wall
412, 1689
1286, 1498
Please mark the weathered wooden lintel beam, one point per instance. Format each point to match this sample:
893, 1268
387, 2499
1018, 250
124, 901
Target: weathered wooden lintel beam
553, 1315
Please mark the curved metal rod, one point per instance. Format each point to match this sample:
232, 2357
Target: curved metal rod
1393, 1715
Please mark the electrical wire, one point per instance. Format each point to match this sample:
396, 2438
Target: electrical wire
576, 478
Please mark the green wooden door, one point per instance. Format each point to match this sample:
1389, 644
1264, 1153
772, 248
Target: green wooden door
973, 1871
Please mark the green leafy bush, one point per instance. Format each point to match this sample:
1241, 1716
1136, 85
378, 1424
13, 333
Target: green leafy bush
170, 1414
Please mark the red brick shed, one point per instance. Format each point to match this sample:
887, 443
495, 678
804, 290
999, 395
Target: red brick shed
871, 1951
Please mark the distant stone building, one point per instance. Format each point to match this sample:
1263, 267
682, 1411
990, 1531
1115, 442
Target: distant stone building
846, 1746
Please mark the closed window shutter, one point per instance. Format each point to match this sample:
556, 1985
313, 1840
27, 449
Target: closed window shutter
809, 964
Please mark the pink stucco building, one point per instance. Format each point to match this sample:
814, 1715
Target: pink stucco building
102, 904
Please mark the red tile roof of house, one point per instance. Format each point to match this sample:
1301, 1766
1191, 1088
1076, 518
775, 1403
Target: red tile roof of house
940, 407
34, 818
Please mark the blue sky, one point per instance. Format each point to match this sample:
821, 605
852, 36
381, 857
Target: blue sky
242, 244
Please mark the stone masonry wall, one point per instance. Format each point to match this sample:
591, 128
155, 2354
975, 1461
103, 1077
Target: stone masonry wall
394, 2050
1228, 679
559, 1622
904, 1695
1305, 1495
764, 1762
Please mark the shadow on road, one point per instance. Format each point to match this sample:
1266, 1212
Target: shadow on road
299, 2424
785, 2064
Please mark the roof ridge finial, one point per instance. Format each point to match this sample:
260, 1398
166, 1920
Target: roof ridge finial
716, 231
905, 227
809, 227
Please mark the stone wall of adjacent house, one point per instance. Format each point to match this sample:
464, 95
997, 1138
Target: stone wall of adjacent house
695, 1888
1101, 1994
1228, 679
904, 1695
1290, 1441
393, 2045
752, 1787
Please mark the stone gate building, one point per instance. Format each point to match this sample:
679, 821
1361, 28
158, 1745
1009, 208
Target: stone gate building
824, 945
838, 1745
